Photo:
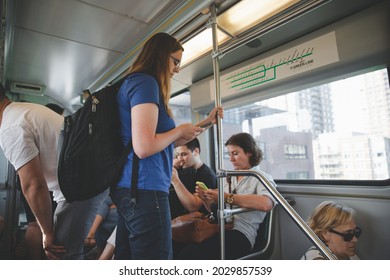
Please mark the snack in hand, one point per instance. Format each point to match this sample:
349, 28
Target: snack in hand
202, 185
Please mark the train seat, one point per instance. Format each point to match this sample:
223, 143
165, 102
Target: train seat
264, 240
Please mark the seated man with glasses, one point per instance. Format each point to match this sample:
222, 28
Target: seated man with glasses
335, 225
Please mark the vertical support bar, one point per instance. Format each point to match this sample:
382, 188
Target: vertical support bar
219, 162
11, 212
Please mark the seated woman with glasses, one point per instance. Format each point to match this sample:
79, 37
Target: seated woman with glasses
335, 225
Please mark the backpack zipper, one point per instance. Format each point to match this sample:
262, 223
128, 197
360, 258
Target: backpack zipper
95, 101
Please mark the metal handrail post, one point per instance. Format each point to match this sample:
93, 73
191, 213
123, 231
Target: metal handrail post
11, 212
221, 202
286, 206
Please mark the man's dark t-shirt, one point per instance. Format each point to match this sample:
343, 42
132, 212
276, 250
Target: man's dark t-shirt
188, 177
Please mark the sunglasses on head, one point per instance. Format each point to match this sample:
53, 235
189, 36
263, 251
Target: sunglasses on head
349, 235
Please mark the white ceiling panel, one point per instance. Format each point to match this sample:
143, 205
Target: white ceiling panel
70, 45
143, 11
66, 44
64, 67
79, 22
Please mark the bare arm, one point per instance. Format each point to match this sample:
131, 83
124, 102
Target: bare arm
207, 201
108, 252
35, 190
211, 119
253, 201
95, 225
190, 201
146, 141
205, 124
250, 201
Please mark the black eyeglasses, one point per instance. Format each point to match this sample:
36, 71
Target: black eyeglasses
348, 236
176, 62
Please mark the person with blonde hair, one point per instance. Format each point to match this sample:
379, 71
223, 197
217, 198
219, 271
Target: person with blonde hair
335, 225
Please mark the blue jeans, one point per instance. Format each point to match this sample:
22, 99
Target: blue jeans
144, 228
105, 229
72, 222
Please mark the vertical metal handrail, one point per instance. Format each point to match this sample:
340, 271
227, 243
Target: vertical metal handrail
286, 206
219, 162
224, 173
11, 212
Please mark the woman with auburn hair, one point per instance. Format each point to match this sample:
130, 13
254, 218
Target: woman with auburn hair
144, 227
335, 225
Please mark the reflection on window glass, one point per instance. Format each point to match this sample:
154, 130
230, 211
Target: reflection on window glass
181, 109
338, 130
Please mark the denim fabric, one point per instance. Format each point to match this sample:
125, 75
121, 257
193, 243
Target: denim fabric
72, 222
144, 228
106, 228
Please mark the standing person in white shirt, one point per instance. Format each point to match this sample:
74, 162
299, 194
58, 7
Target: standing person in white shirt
29, 137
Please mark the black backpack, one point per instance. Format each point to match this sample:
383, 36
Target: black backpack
93, 156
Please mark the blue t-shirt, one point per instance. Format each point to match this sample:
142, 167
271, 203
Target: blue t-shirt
155, 171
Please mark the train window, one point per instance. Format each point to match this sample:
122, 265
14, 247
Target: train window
338, 130
181, 109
